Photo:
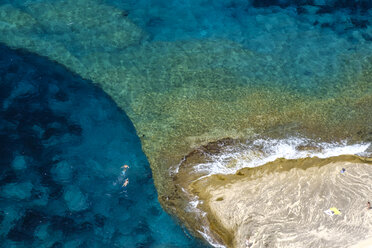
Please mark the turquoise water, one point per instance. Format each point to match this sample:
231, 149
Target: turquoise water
303, 38
63, 141
62, 144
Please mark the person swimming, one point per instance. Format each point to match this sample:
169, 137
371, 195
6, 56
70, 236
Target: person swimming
124, 169
126, 182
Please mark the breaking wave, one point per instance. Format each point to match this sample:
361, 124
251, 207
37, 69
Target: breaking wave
262, 151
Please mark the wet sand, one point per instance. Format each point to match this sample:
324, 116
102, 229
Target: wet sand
282, 204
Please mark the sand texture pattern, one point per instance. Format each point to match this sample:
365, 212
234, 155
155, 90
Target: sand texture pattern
285, 207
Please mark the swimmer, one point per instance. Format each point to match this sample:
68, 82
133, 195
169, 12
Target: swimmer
126, 182
125, 168
368, 205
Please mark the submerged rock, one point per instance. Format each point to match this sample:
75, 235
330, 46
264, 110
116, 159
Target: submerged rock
62, 172
19, 163
184, 94
17, 191
75, 199
41, 232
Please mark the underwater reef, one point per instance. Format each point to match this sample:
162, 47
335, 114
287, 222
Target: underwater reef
185, 92
63, 143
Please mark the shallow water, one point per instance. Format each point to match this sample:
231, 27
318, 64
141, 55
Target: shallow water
63, 142
308, 36
191, 72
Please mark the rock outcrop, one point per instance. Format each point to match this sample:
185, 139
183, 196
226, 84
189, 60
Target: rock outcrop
282, 204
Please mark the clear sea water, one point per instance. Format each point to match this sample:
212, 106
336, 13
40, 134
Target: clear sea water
62, 144
63, 141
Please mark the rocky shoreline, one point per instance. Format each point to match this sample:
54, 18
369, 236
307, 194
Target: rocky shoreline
181, 95
281, 204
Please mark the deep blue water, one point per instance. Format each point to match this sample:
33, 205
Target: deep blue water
63, 141
62, 145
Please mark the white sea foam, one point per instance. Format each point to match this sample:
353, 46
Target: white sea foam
262, 151
193, 207
193, 203
209, 239
174, 169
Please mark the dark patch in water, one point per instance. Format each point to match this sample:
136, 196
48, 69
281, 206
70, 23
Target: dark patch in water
325, 9
1, 217
85, 227
57, 245
31, 220
61, 96
65, 224
99, 220
154, 211
327, 25
142, 228
359, 23
328, 7
268, 3
154, 22
75, 129
8, 176
301, 10
42, 157
18, 235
